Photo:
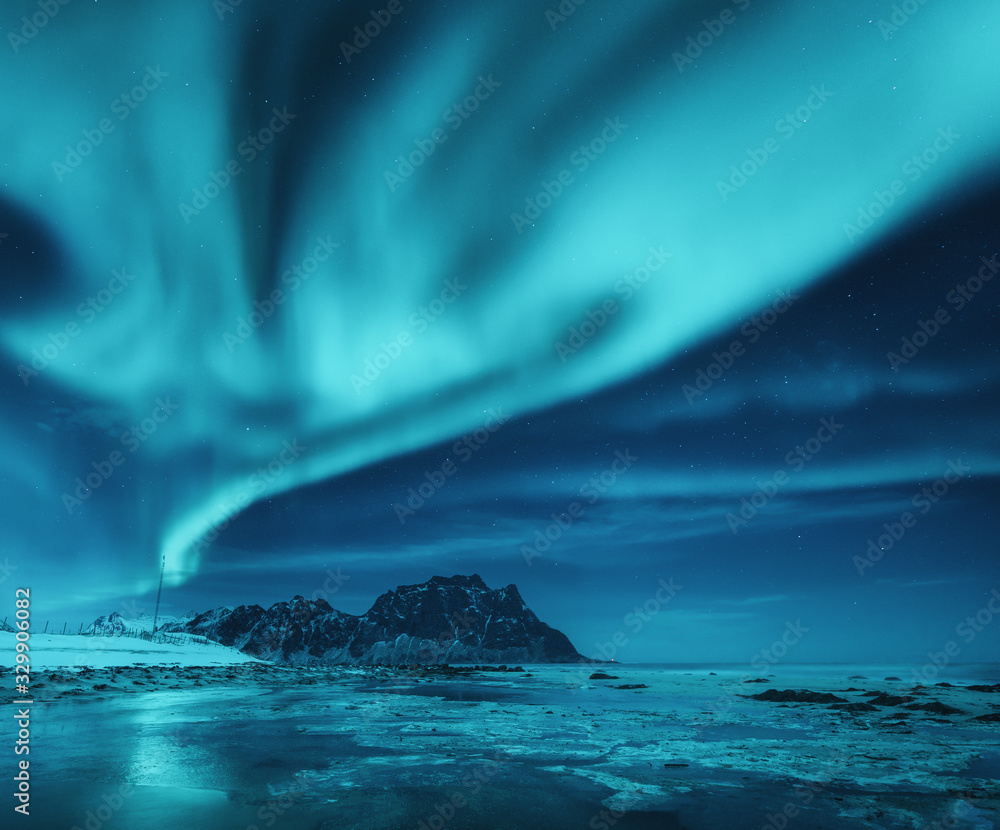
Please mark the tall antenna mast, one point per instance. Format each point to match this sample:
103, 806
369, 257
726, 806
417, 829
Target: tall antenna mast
156, 613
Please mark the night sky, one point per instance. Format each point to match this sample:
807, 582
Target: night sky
681, 317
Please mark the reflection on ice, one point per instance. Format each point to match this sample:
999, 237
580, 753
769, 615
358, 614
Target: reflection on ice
332, 748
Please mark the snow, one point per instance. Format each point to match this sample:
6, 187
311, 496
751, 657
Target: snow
49, 651
140, 622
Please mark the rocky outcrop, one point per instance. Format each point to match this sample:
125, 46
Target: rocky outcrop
798, 696
456, 619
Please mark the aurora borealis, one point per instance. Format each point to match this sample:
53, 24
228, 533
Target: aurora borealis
327, 288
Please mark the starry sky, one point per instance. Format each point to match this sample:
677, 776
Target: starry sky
683, 317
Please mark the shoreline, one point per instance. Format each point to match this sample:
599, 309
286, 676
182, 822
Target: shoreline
665, 752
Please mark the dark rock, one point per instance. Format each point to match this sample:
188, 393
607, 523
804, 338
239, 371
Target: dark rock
935, 707
994, 689
454, 619
757, 680
894, 678
992, 717
882, 699
599, 675
229, 626
857, 677
797, 696
631, 686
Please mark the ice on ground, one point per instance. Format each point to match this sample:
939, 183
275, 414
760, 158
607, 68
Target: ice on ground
691, 749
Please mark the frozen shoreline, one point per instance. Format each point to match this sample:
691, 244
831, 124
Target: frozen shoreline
337, 740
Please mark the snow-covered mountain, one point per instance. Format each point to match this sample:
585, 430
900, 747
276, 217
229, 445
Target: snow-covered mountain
454, 619
115, 624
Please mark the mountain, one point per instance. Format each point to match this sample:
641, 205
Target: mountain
456, 619
117, 625
228, 625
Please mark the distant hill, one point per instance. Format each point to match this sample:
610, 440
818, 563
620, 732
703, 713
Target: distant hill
454, 619
114, 624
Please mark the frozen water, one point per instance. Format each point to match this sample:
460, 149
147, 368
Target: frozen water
373, 748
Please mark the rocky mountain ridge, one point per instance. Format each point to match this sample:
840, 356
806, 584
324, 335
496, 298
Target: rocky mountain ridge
456, 619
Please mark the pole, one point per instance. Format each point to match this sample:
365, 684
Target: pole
156, 613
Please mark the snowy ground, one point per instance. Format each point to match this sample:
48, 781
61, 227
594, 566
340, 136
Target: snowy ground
255, 746
50, 651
